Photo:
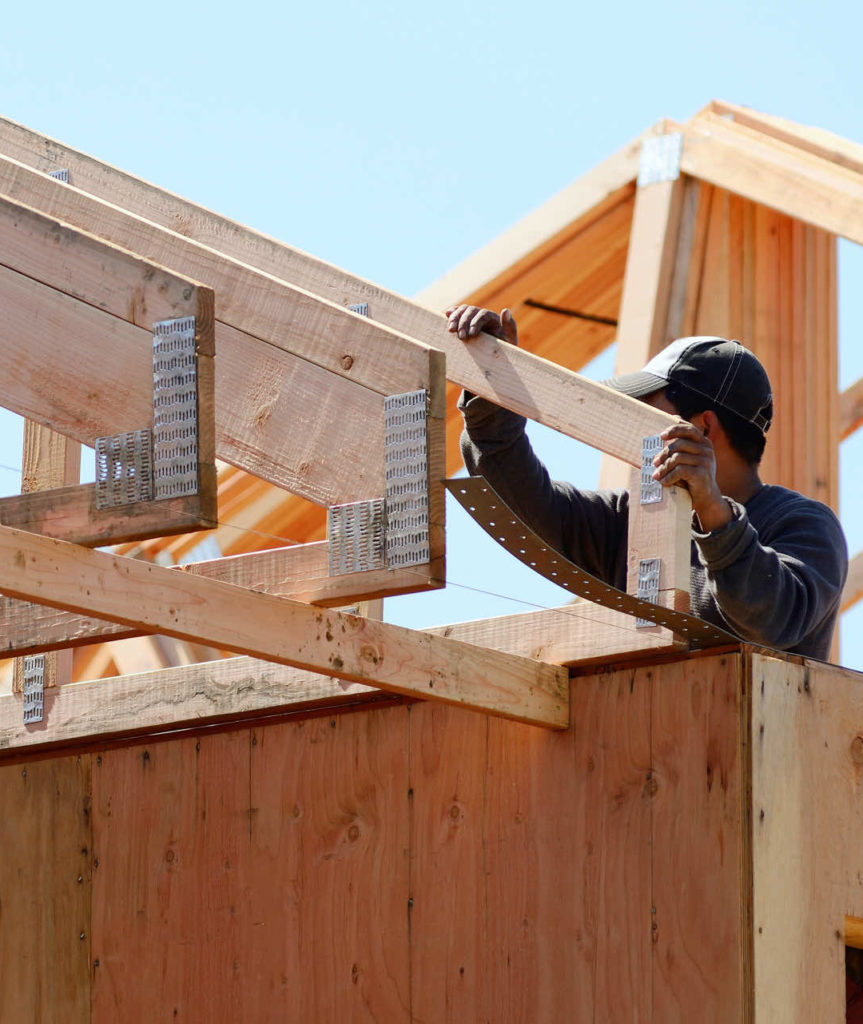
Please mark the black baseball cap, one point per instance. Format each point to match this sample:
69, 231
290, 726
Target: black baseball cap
724, 372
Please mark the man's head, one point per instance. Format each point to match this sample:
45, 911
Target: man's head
703, 373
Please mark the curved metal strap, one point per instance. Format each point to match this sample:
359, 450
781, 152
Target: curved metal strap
492, 513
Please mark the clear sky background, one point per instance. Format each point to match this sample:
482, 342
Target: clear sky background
394, 139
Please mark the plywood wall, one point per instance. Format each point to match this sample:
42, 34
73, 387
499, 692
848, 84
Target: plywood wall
770, 281
412, 863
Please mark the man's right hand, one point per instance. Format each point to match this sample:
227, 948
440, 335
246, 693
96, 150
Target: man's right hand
469, 321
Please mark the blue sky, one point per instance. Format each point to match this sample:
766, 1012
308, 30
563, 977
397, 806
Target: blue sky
394, 139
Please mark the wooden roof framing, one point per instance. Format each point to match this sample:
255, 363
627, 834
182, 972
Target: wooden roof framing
742, 243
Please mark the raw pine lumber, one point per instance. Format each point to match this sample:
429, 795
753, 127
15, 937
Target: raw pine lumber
851, 409
272, 408
49, 460
351, 345
155, 599
854, 583
775, 173
300, 572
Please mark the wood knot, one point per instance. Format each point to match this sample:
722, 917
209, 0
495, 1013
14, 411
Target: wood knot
857, 750
347, 362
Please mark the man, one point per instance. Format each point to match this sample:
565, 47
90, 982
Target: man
767, 563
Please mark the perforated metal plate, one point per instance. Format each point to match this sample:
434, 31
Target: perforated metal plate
175, 408
651, 490
406, 457
34, 688
124, 468
489, 510
359, 307
660, 158
356, 536
61, 175
648, 585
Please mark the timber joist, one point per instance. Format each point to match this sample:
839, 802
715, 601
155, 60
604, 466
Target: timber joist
741, 214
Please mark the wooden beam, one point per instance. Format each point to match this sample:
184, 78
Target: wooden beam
154, 599
49, 461
817, 141
775, 174
351, 345
854, 931
579, 633
300, 573
851, 409
853, 589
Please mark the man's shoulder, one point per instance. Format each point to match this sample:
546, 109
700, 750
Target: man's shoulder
775, 509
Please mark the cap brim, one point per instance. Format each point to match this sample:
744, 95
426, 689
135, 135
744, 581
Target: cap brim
637, 385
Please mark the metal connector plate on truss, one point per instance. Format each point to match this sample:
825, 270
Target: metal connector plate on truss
34, 688
492, 513
175, 408
660, 159
648, 585
124, 468
406, 461
355, 532
651, 490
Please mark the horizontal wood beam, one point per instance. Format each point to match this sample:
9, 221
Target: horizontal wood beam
851, 409
775, 174
300, 573
155, 599
351, 345
579, 633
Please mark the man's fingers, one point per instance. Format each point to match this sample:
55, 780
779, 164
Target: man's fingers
470, 321
507, 323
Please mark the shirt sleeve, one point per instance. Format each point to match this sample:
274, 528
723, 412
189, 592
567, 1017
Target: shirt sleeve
589, 527
780, 583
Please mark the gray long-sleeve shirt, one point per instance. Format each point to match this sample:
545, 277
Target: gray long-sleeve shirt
772, 576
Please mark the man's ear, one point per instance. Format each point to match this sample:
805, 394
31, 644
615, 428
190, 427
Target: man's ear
710, 425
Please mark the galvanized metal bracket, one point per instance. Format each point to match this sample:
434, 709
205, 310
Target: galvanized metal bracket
34, 688
175, 408
355, 532
148, 465
406, 463
660, 159
62, 174
124, 468
359, 307
648, 586
651, 490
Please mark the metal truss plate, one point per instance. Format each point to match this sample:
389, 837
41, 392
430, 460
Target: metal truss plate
62, 174
175, 408
356, 536
124, 468
651, 490
660, 158
359, 307
34, 688
489, 510
406, 458
648, 585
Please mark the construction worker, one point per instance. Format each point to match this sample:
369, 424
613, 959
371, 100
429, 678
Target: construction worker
768, 564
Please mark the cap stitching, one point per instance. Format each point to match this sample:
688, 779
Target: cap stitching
731, 372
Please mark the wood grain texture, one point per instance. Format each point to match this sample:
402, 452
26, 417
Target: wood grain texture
700, 842
351, 345
150, 598
807, 738
45, 878
854, 584
777, 174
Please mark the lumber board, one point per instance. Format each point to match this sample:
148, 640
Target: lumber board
45, 891
49, 460
577, 634
851, 409
155, 599
854, 583
310, 324
274, 412
819, 141
774, 173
